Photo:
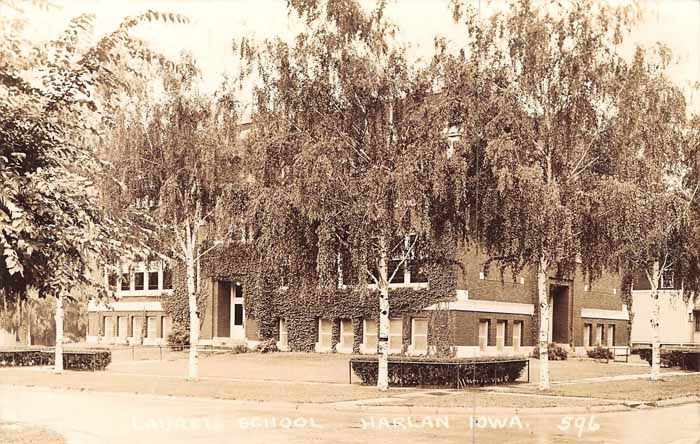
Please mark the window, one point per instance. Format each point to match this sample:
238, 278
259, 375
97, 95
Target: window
112, 281
611, 335
347, 336
108, 326
137, 327
417, 272
517, 335
283, 335
167, 279
501, 328
369, 334
696, 316
667, 280
122, 326
153, 280
599, 335
237, 305
395, 335
151, 331
419, 335
125, 282
325, 333
165, 326
393, 268
139, 281
483, 334
587, 332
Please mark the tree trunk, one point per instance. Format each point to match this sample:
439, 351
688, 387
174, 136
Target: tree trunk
193, 367
58, 366
655, 327
29, 322
543, 299
383, 336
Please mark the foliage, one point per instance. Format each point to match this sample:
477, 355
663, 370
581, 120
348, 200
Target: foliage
600, 353
95, 359
409, 371
554, 353
685, 359
240, 348
179, 336
267, 346
53, 97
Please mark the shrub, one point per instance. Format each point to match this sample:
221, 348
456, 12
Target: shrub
96, 359
685, 359
239, 349
409, 371
179, 337
554, 353
600, 353
21, 357
267, 346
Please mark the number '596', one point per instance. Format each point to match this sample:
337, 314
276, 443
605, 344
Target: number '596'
578, 424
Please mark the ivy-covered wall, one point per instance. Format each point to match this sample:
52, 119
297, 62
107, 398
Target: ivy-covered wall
302, 305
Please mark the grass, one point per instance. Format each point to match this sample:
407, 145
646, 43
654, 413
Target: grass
18, 433
635, 390
176, 386
479, 399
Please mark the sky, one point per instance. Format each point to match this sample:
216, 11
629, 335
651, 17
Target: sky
215, 24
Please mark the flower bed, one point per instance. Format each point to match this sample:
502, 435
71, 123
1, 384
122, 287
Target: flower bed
96, 359
408, 371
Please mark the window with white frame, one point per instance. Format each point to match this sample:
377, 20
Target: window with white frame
517, 335
347, 336
587, 332
165, 326
136, 327
283, 335
483, 334
108, 326
153, 280
419, 335
122, 326
599, 335
325, 334
151, 329
395, 335
611, 335
501, 327
369, 335
667, 281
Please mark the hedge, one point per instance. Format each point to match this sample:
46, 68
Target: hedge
684, 359
97, 359
600, 353
410, 371
554, 353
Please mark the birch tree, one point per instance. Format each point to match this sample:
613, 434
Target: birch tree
54, 100
349, 142
645, 211
550, 69
174, 160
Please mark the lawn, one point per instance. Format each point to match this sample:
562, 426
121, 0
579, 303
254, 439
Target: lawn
176, 386
575, 369
636, 390
18, 433
480, 399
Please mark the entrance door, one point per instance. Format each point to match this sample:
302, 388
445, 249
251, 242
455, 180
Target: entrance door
560, 313
237, 312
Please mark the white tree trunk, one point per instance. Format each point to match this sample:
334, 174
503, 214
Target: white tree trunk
383, 336
543, 299
193, 366
29, 322
58, 358
655, 323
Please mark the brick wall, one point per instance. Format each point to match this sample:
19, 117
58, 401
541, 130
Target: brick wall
466, 327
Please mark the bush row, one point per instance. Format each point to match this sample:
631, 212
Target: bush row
408, 371
72, 360
684, 359
554, 353
600, 353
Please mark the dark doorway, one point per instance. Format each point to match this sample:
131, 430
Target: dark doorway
223, 309
560, 300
